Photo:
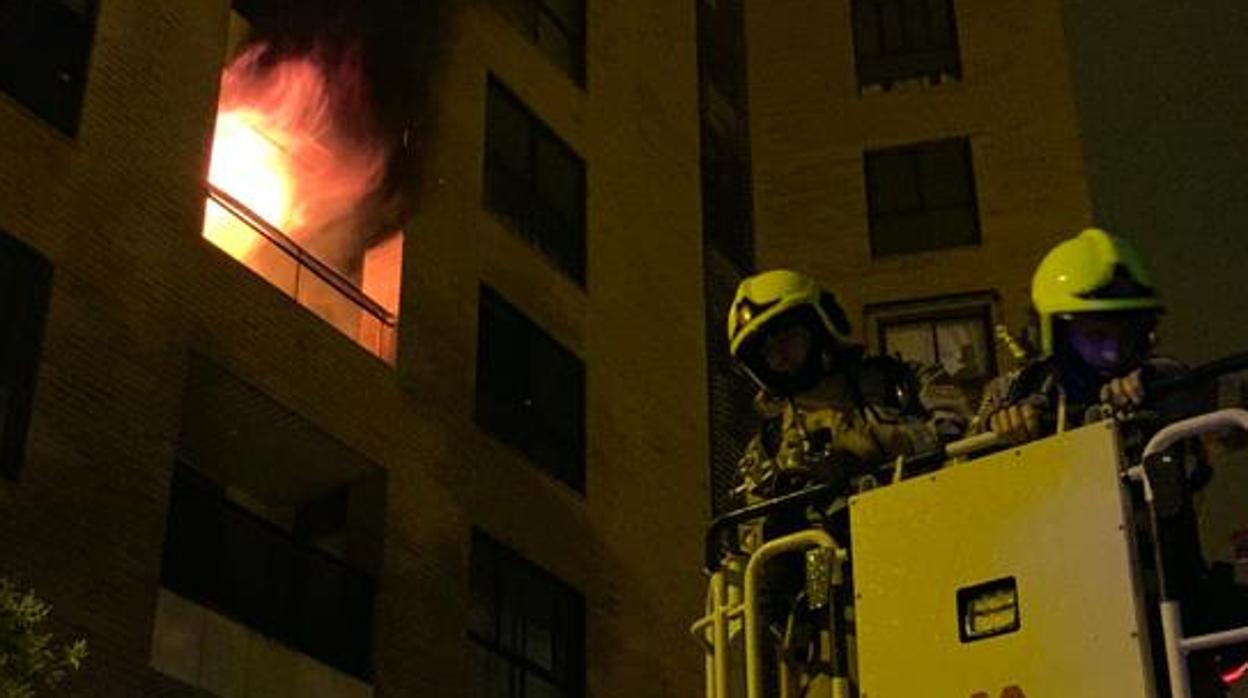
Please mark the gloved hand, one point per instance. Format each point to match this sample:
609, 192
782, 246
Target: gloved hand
1124, 393
1016, 424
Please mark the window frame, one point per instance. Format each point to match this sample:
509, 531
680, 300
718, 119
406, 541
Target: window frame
572, 261
915, 153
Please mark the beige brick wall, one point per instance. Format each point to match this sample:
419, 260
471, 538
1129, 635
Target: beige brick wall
810, 128
118, 212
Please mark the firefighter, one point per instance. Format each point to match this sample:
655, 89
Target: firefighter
831, 415
830, 412
1098, 315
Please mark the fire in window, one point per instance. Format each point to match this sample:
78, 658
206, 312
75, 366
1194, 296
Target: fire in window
296, 188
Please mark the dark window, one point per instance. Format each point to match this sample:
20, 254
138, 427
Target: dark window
556, 26
921, 197
535, 180
526, 628
44, 45
530, 390
226, 558
25, 280
904, 39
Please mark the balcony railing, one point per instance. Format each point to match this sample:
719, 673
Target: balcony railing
312, 283
223, 557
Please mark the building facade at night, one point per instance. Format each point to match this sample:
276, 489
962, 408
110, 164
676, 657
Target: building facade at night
466, 458
254, 442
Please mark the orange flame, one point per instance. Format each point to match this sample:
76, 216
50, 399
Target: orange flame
280, 149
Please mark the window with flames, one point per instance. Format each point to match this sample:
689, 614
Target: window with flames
295, 188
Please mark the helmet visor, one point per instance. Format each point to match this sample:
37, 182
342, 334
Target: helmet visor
785, 355
1110, 342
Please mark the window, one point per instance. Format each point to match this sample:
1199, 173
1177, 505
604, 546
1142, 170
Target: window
954, 333
921, 197
530, 390
556, 26
904, 39
25, 281
44, 45
526, 628
535, 181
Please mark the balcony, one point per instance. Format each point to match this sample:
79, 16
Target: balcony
365, 311
225, 558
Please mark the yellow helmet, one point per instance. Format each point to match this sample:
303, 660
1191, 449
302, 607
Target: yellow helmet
774, 300
1093, 272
